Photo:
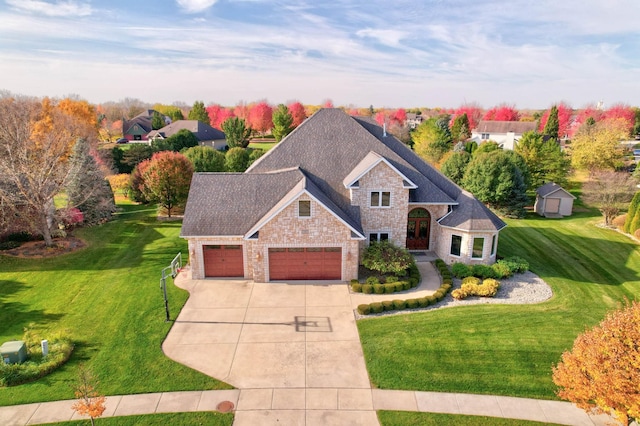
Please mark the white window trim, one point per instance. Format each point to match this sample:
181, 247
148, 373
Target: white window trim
310, 210
380, 206
473, 243
494, 244
369, 234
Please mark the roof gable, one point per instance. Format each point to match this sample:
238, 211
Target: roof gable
517, 127
202, 131
551, 188
371, 160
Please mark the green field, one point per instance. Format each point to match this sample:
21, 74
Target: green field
108, 297
502, 349
404, 418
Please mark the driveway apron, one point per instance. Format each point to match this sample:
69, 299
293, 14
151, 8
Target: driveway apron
292, 349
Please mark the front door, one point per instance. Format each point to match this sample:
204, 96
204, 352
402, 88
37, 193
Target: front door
418, 229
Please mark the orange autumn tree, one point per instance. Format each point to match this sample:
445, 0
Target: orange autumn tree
90, 402
602, 370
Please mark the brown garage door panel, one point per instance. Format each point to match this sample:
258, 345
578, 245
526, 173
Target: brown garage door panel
223, 261
314, 263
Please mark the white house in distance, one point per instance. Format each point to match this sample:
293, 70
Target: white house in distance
553, 201
505, 133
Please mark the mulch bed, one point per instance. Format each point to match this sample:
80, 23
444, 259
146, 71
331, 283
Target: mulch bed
37, 249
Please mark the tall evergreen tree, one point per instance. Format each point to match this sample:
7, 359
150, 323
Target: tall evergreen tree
236, 132
460, 129
157, 121
198, 112
552, 125
545, 160
88, 190
282, 122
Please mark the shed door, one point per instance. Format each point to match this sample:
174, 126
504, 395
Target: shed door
310, 263
223, 261
552, 205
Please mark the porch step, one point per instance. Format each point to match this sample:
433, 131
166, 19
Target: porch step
423, 255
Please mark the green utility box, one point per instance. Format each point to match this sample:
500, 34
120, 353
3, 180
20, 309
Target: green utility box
14, 352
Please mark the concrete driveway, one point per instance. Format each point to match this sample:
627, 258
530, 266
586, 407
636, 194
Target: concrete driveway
289, 348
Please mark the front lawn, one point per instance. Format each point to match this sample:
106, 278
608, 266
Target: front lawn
108, 296
408, 418
502, 349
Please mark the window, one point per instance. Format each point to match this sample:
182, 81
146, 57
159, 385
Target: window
376, 237
380, 199
456, 244
304, 208
478, 247
485, 136
493, 245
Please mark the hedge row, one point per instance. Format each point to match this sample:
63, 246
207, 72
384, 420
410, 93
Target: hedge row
392, 285
422, 302
503, 268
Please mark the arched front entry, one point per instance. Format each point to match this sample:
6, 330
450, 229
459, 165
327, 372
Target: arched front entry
418, 229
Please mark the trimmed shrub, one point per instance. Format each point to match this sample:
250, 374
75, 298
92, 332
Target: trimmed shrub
483, 271
391, 279
364, 309
471, 280
413, 282
8, 245
423, 302
489, 288
460, 270
439, 295
372, 280
378, 288
367, 288
376, 307
356, 287
439, 263
399, 286
399, 304
354, 281
390, 288
388, 305
459, 294
385, 257
445, 287
406, 285
517, 264
447, 281
501, 269
431, 299
412, 303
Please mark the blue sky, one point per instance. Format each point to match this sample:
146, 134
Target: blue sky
386, 53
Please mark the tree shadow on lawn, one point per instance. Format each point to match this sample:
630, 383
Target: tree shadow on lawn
14, 315
552, 253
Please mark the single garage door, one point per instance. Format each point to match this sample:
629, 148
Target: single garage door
310, 263
223, 261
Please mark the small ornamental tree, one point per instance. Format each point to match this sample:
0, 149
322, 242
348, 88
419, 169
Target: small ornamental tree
282, 122
236, 132
90, 402
297, 113
602, 370
182, 139
167, 179
385, 257
205, 159
236, 160
609, 192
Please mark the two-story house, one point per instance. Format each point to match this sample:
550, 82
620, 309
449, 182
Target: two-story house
308, 208
504, 133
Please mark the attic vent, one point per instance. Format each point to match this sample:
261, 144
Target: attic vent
406, 184
254, 236
356, 184
354, 235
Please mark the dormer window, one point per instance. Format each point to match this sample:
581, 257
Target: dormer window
380, 199
304, 208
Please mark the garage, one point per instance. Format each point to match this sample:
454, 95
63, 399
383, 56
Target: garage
223, 261
305, 263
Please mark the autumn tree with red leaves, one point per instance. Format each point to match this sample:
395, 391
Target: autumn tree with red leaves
90, 402
261, 117
564, 119
502, 113
602, 370
296, 109
166, 180
218, 115
473, 111
622, 113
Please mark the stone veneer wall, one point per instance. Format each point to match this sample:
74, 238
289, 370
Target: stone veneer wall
322, 229
466, 249
391, 219
196, 253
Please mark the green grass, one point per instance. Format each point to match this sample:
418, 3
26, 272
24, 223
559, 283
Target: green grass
502, 349
404, 418
266, 146
107, 296
174, 419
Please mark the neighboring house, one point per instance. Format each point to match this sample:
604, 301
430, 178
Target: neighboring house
138, 128
413, 120
505, 133
207, 135
308, 207
553, 201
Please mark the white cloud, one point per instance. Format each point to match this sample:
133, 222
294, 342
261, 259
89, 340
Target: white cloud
387, 37
59, 8
195, 6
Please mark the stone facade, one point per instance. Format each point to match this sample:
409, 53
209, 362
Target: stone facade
196, 253
443, 249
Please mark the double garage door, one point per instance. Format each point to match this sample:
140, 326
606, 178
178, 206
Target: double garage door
310, 263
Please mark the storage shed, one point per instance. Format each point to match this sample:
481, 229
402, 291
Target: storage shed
553, 201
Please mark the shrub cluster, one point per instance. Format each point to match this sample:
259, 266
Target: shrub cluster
392, 284
503, 268
37, 366
421, 302
471, 286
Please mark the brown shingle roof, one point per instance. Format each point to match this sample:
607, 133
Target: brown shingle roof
517, 127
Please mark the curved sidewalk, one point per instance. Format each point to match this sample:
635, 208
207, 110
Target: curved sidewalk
328, 406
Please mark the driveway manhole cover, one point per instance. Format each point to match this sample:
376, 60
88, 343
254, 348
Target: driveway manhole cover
225, 406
